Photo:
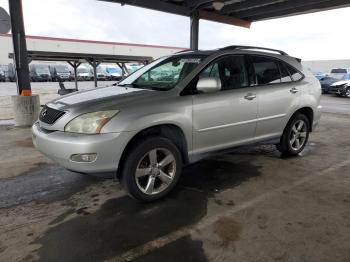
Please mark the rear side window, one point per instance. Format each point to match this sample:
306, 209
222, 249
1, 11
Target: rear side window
285, 76
295, 74
266, 70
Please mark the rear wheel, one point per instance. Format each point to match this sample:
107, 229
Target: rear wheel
295, 136
151, 169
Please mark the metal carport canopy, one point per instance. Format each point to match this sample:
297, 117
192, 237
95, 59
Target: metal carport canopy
75, 59
66, 56
234, 12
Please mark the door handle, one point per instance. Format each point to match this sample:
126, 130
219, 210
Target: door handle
249, 96
293, 90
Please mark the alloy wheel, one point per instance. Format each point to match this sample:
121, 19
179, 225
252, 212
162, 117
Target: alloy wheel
155, 171
298, 135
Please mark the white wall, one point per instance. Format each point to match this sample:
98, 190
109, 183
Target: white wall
325, 66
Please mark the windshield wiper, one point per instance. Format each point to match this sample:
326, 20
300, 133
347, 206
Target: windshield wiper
126, 85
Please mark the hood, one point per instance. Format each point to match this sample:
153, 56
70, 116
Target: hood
343, 82
101, 98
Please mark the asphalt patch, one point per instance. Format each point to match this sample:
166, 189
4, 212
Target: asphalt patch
43, 184
24, 143
122, 224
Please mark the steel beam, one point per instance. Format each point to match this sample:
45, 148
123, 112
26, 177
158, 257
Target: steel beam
123, 68
245, 5
289, 7
19, 47
155, 5
329, 5
94, 65
181, 9
194, 34
75, 65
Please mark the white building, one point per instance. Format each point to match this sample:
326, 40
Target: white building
39, 43
325, 66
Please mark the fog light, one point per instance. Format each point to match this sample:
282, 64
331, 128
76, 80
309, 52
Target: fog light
87, 158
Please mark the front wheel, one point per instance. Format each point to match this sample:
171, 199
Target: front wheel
151, 169
295, 136
347, 92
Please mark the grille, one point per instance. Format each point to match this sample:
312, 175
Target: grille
49, 115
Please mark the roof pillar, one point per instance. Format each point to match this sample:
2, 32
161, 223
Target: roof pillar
194, 30
19, 47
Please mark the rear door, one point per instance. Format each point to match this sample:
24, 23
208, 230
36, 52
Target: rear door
278, 96
227, 117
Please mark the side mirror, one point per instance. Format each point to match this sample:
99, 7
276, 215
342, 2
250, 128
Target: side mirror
209, 84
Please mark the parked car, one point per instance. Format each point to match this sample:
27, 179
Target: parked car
101, 74
39, 73
10, 73
326, 83
146, 129
113, 72
341, 88
319, 75
60, 73
84, 74
339, 73
2, 76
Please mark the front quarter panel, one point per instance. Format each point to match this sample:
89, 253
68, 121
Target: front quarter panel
175, 110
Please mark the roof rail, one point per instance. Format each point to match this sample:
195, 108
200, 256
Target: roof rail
253, 47
183, 51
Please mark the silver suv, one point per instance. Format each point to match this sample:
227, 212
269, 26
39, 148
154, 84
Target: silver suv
178, 108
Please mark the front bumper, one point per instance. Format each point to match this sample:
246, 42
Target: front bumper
338, 90
60, 146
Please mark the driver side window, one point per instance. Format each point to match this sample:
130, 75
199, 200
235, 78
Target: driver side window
230, 69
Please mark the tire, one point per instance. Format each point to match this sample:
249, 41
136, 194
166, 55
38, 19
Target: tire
286, 146
144, 178
347, 92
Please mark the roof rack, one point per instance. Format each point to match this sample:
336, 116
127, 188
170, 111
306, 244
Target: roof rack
253, 47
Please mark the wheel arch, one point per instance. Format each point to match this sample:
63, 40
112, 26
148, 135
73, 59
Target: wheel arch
308, 112
170, 131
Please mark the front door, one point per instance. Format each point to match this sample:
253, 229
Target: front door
227, 117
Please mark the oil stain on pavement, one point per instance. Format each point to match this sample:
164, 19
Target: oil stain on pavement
122, 223
184, 249
43, 184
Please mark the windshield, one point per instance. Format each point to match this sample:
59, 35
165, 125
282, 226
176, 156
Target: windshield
113, 70
337, 76
83, 70
61, 69
42, 69
164, 73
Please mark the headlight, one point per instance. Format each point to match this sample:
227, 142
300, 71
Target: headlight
90, 123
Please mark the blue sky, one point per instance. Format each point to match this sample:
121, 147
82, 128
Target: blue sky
323, 35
